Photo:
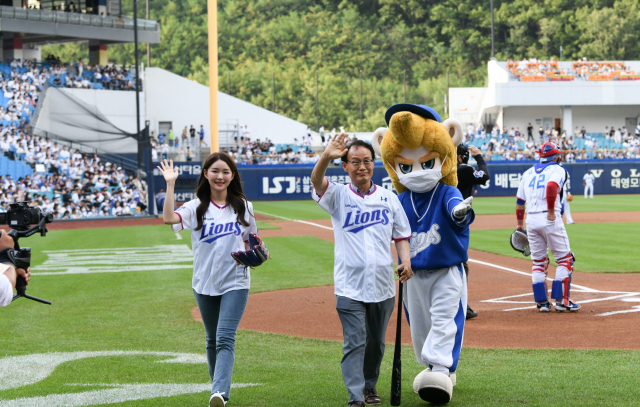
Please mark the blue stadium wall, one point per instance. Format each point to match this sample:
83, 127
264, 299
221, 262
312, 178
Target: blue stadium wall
289, 182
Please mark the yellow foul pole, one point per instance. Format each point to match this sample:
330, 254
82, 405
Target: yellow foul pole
213, 72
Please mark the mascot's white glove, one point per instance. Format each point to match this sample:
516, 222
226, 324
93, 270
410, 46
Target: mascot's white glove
461, 210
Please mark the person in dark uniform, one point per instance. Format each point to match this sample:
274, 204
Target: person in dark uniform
468, 178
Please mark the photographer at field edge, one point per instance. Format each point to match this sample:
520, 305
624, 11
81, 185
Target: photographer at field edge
8, 272
468, 178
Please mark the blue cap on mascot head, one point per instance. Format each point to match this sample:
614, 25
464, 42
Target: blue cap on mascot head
420, 110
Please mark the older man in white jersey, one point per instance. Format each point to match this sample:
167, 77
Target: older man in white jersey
541, 188
366, 218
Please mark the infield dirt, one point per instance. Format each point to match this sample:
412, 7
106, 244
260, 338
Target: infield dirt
310, 312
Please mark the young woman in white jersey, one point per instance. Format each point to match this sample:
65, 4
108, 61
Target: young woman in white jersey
221, 219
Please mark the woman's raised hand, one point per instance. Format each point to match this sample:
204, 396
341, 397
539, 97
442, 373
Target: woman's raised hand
169, 173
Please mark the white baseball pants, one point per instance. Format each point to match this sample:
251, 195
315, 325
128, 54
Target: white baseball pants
567, 211
587, 188
436, 305
544, 236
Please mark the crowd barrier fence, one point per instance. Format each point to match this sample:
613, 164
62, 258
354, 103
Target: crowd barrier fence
291, 182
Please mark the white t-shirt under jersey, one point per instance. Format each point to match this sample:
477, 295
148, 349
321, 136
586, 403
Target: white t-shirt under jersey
215, 272
363, 227
6, 291
533, 186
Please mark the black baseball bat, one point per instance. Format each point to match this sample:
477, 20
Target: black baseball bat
396, 370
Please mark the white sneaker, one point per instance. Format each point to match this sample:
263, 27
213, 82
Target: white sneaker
217, 400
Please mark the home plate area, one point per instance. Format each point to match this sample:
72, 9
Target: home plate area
579, 295
500, 291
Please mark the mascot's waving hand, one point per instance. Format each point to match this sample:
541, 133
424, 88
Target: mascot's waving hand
419, 153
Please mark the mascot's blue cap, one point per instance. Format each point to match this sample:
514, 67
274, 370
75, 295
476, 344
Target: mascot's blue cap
420, 110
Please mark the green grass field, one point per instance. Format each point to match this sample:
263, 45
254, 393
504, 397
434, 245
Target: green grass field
309, 210
147, 310
598, 246
600, 203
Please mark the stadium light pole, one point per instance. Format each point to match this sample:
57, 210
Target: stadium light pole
493, 42
404, 84
137, 62
317, 109
361, 101
148, 45
212, 5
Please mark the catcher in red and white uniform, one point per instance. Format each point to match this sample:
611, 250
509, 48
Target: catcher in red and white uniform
541, 188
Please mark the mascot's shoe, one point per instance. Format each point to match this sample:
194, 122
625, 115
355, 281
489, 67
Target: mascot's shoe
560, 307
433, 387
452, 376
545, 306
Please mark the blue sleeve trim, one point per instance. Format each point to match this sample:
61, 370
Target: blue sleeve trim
520, 201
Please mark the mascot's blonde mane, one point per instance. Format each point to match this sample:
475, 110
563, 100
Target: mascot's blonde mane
409, 130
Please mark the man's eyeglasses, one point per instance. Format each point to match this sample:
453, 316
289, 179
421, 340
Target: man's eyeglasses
366, 162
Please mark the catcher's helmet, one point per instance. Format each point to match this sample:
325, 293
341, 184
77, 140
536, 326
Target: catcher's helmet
548, 152
463, 151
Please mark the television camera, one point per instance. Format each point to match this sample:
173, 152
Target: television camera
20, 217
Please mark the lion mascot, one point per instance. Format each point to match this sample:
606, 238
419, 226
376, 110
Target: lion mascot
419, 153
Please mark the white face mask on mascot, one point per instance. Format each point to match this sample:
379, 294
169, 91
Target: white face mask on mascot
421, 181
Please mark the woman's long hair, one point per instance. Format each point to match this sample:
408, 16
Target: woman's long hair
235, 195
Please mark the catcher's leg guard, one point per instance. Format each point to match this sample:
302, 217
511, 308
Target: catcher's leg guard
540, 292
540, 265
561, 288
556, 290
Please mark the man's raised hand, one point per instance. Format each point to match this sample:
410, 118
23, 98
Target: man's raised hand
169, 173
337, 147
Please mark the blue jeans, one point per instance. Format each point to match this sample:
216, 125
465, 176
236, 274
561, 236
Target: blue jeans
221, 316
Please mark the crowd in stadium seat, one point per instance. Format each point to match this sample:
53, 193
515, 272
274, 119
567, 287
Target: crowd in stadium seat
84, 76
71, 184
19, 88
514, 144
538, 70
267, 153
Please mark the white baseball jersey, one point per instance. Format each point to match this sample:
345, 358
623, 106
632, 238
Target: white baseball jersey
215, 272
6, 290
589, 178
533, 186
364, 226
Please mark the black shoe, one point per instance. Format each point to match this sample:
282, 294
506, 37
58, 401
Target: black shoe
371, 397
356, 404
471, 313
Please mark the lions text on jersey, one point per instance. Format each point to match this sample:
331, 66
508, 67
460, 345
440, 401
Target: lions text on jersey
364, 226
214, 270
432, 221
